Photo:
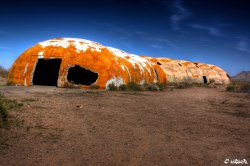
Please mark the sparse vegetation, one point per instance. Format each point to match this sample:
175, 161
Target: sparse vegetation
161, 86
155, 86
71, 85
10, 83
151, 87
3, 72
180, 85
183, 85
94, 86
137, 87
123, 87
134, 87
113, 87
5, 106
239, 86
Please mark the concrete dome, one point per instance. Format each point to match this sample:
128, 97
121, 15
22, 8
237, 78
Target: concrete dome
62, 60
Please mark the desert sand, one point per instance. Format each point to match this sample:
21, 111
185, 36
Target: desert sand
194, 126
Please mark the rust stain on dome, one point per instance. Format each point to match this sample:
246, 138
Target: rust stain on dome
102, 66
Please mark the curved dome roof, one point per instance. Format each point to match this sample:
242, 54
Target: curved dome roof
79, 58
111, 64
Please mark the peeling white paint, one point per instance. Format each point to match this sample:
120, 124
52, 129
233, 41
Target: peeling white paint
25, 82
123, 68
132, 59
128, 73
40, 53
117, 81
83, 45
26, 68
79, 44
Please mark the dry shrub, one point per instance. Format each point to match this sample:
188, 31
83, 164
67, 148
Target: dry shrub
94, 86
3, 72
239, 86
132, 86
5, 106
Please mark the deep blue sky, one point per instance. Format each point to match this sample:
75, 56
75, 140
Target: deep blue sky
209, 31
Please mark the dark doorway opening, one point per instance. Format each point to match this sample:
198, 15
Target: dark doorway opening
47, 72
204, 79
81, 76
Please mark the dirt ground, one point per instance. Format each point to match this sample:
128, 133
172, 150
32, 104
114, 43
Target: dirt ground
194, 126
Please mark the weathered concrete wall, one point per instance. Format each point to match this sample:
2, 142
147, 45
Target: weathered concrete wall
112, 65
191, 72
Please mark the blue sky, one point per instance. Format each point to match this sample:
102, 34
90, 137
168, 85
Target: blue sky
208, 31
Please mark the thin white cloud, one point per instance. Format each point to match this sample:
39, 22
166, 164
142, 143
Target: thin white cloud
145, 36
243, 46
180, 13
165, 41
211, 30
156, 46
128, 33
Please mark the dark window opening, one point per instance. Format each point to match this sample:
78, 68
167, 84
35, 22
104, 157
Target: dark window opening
204, 79
179, 64
82, 76
158, 63
47, 72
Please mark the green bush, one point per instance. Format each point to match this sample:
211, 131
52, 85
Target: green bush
151, 87
123, 87
161, 86
134, 87
5, 106
112, 87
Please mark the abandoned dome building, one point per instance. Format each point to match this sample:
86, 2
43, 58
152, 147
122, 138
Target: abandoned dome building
57, 62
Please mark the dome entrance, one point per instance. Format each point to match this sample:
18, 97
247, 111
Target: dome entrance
47, 72
82, 76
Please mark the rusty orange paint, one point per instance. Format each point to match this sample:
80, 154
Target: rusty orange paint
112, 65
